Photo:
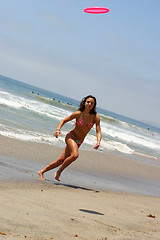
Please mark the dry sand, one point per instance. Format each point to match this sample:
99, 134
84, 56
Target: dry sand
40, 210
46, 211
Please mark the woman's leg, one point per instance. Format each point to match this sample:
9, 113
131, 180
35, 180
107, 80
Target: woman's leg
59, 161
73, 148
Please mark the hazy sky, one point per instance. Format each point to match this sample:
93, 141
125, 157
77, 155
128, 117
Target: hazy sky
54, 45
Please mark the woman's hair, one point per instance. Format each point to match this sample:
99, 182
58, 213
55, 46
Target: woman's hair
82, 104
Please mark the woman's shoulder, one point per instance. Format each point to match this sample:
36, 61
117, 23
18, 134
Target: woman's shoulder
77, 113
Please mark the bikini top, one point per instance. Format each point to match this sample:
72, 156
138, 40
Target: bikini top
80, 123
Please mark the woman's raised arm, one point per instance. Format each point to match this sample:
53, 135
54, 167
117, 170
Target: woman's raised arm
65, 120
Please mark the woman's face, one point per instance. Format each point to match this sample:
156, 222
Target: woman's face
89, 104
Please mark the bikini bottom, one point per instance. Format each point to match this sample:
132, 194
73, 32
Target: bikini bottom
76, 140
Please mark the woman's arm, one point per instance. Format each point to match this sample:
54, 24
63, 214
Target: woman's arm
98, 131
62, 122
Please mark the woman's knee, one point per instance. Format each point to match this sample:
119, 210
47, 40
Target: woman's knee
75, 155
60, 161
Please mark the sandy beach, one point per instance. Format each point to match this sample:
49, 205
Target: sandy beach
100, 197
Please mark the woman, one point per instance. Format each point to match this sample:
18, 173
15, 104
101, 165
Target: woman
86, 117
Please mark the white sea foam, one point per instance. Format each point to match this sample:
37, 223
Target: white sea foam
132, 137
8, 100
108, 145
116, 146
30, 136
90, 140
40, 108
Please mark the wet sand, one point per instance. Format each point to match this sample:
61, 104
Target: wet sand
20, 161
100, 196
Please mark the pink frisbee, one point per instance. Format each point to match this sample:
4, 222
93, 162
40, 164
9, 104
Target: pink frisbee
96, 10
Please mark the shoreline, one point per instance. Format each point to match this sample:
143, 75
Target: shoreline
75, 208
94, 169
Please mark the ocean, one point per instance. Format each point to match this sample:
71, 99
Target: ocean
29, 113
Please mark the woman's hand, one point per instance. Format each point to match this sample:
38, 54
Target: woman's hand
96, 146
57, 132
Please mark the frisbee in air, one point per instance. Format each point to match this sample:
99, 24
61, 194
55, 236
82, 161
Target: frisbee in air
96, 10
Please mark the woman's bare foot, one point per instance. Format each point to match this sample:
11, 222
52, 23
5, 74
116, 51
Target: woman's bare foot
57, 176
40, 173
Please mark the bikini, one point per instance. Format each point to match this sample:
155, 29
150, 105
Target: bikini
80, 123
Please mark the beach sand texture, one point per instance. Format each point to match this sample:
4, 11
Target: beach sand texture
39, 210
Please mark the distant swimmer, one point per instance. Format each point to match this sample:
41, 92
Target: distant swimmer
85, 117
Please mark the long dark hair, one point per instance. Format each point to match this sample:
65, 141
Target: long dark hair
82, 104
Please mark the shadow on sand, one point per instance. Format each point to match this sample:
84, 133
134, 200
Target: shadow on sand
90, 211
73, 186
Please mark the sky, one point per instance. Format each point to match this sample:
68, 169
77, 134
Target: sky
115, 56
